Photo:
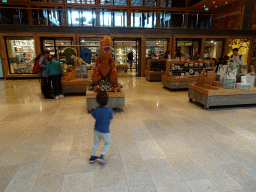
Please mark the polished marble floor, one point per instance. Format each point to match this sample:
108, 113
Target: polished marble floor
161, 142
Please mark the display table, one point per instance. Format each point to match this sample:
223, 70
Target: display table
155, 76
155, 69
221, 97
181, 83
116, 100
79, 85
122, 67
178, 83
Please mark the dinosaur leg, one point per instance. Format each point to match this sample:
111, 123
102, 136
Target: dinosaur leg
96, 77
113, 79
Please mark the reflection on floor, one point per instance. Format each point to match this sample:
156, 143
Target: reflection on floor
161, 142
129, 73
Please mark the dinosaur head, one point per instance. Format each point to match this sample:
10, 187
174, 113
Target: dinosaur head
106, 44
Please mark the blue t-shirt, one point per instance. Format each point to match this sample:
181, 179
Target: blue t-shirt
86, 55
103, 115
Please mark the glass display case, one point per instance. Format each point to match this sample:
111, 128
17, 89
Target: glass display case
242, 45
21, 54
156, 47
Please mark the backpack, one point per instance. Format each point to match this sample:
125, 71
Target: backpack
36, 67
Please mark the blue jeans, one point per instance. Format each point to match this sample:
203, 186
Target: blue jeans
97, 138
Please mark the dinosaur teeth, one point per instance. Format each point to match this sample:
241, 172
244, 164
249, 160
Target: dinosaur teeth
107, 49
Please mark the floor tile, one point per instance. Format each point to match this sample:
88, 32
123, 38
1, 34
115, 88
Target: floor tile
161, 142
108, 178
203, 185
164, 176
25, 178
245, 177
132, 161
187, 169
78, 182
150, 150
139, 181
6, 175
48, 182
219, 178
112, 189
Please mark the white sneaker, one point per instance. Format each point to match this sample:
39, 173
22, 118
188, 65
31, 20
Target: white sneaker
57, 97
61, 96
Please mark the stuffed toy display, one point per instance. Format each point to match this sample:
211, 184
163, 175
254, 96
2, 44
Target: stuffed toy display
104, 74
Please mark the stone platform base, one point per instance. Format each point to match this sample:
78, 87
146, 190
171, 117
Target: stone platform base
116, 100
221, 97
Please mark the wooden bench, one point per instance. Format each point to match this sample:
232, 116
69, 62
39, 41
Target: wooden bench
78, 85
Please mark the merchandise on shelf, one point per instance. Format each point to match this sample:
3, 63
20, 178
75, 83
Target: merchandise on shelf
228, 78
21, 56
189, 69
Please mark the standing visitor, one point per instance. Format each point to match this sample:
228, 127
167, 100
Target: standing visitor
166, 54
54, 73
178, 53
237, 57
103, 116
130, 59
45, 84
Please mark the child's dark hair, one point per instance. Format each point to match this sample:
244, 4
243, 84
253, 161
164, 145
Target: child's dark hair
102, 98
52, 57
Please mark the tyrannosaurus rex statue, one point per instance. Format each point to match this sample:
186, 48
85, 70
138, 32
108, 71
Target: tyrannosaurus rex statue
105, 65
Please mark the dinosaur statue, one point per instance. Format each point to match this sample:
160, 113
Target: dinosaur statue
105, 65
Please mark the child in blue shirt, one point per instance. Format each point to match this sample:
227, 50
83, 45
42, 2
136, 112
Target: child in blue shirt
54, 73
103, 116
